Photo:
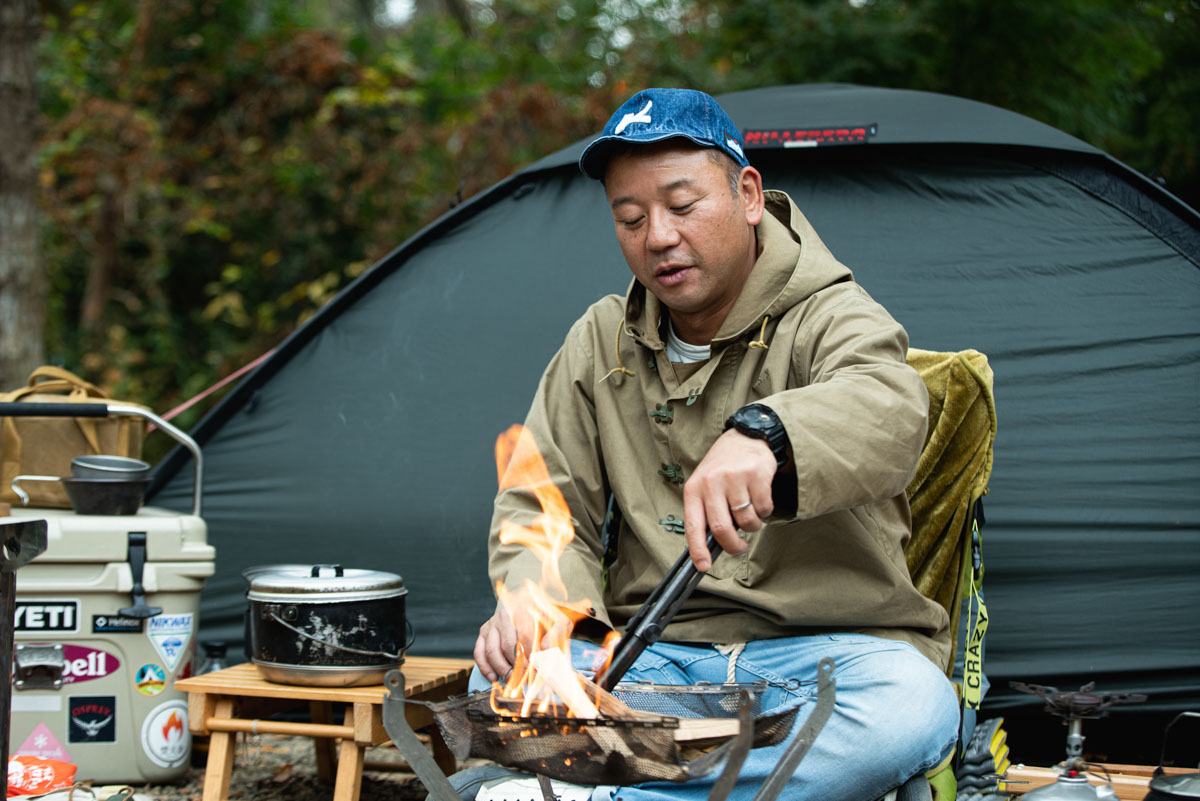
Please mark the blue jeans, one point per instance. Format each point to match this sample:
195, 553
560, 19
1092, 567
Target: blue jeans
896, 713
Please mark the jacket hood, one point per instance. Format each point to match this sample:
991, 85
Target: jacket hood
793, 263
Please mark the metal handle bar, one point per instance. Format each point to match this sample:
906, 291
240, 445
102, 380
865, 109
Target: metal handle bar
22, 494
21, 409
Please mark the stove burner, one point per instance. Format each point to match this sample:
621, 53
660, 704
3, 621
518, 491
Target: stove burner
1073, 707
1082, 703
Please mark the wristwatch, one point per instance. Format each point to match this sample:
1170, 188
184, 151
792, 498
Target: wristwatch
761, 422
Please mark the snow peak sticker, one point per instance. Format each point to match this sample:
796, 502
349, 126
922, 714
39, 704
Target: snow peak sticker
116, 624
42, 743
165, 736
93, 719
150, 679
170, 635
81, 663
46, 615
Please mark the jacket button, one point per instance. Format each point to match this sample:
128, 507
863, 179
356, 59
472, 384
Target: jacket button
663, 413
672, 473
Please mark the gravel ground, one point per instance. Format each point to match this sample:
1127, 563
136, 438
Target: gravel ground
276, 768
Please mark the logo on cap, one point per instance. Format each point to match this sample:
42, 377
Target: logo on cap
641, 116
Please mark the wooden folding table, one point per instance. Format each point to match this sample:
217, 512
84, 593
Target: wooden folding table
238, 699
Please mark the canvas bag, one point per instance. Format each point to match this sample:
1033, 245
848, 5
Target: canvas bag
45, 446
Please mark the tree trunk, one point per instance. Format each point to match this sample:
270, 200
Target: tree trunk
22, 282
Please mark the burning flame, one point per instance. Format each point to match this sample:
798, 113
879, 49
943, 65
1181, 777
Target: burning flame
173, 724
519, 465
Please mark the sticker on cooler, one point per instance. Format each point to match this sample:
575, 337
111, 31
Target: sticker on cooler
116, 624
81, 663
49, 614
150, 679
93, 719
170, 635
42, 743
165, 736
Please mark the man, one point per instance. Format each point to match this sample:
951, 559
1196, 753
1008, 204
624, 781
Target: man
746, 386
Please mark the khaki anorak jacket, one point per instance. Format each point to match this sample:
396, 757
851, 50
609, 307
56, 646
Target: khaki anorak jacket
804, 339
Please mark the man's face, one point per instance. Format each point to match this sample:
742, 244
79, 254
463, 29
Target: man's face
688, 238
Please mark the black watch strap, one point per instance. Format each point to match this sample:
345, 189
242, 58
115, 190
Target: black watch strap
761, 422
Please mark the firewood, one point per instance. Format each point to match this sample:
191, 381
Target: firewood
692, 729
554, 669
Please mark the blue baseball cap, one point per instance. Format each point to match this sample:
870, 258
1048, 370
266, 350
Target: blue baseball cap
653, 115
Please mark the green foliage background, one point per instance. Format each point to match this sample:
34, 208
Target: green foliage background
213, 171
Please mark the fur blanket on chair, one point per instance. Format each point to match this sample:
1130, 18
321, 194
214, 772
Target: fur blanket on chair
952, 473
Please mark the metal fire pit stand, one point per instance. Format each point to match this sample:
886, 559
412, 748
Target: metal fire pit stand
396, 724
19, 543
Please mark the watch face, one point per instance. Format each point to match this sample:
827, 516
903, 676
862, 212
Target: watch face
754, 417
761, 422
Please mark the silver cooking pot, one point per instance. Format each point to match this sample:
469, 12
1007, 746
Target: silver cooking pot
325, 625
1174, 786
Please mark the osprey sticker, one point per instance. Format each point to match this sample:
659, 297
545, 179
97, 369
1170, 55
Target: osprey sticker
93, 719
81, 663
170, 635
42, 743
150, 679
165, 736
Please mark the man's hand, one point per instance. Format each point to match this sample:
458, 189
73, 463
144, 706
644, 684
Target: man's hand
730, 489
501, 635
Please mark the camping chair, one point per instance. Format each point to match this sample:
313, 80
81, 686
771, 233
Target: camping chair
944, 555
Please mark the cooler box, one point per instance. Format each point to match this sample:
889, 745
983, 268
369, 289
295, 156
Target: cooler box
105, 622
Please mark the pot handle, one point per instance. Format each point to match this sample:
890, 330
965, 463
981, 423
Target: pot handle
22, 494
316, 571
398, 657
1162, 758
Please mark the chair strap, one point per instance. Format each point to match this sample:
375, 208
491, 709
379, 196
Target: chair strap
977, 622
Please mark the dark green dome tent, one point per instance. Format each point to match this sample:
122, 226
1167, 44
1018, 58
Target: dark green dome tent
367, 438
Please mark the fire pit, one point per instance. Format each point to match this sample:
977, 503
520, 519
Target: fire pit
639, 747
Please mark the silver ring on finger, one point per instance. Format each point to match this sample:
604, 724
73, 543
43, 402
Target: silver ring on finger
745, 505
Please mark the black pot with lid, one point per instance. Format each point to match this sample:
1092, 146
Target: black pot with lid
325, 625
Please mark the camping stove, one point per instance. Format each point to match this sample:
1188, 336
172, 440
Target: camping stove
1074, 707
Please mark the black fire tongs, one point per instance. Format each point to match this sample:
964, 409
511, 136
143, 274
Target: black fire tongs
646, 627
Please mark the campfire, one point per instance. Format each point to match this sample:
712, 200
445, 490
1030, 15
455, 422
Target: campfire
543, 682
548, 719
